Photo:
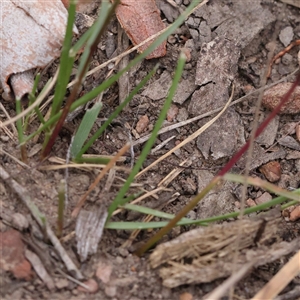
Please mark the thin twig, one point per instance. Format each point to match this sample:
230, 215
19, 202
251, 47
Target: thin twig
280, 280
247, 167
99, 177
36, 103
222, 289
190, 138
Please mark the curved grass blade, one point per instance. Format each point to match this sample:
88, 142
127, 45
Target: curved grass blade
85, 128
119, 200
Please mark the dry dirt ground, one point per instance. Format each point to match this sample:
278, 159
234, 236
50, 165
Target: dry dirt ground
226, 42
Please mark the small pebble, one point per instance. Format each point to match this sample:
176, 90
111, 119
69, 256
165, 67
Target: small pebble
287, 59
295, 214
298, 132
123, 252
172, 39
4, 138
265, 197
19, 221
250, 202
92, 284
142, 124
110, 291
61, 283
104, 271
186, 296
172, 113
271, 170
273, 96
286, 35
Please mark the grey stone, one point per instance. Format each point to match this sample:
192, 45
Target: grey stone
205, 32
236, 21
222, 138
243, 29
182, 115
184, 90
192, 22
195, 34
159, 89
267, 137
286, 35
287, 59
289, 142
207, 98
218, 201
170, 12
217, 61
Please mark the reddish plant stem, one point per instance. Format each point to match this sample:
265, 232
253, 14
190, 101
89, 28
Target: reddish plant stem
261, 128
217, 178
75, 89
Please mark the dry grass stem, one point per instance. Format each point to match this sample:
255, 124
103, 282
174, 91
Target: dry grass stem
148, 194
97, 180
148, 218
222, 289
36, 103
174, 173
281, 279
190, 138
208, 114
26, 199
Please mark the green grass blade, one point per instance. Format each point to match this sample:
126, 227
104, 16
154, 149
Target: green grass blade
32, 98
263, 184
142, 225
202, 222
115, 113
85, 128
95, 92
66, 62
20, 131
98, 28
119, 200
150, 211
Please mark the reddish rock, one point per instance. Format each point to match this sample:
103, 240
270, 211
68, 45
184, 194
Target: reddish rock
273, 96
265, 197
271, 170
186, 296
142, 124
172, 113
12, 255
295, 214
250, 202
92, 284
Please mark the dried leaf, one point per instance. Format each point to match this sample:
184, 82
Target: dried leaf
32, 33
140, 20
12, 255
